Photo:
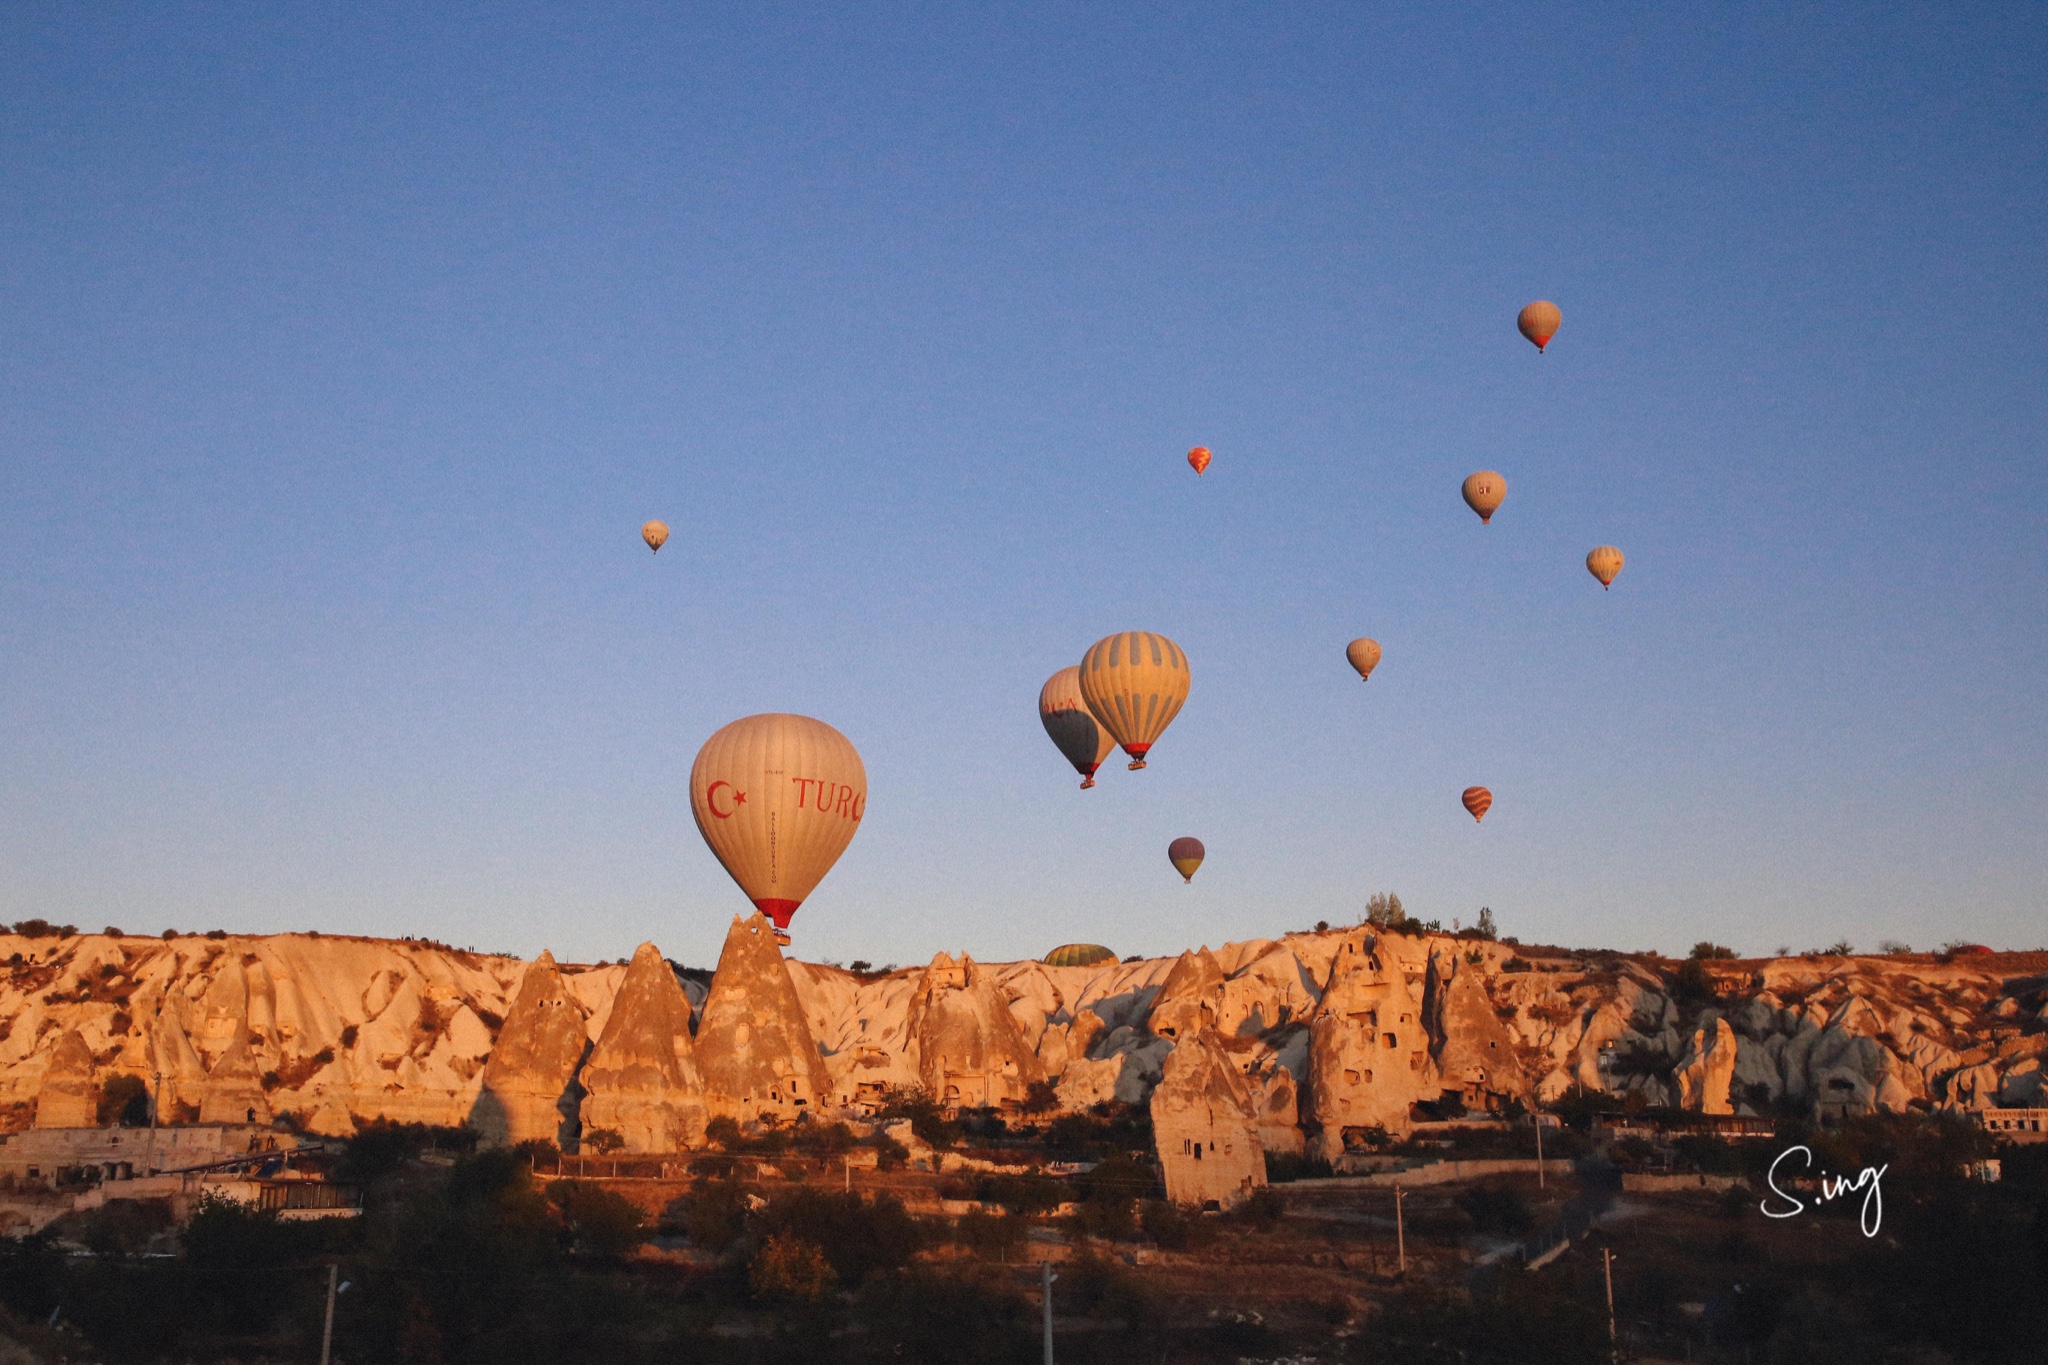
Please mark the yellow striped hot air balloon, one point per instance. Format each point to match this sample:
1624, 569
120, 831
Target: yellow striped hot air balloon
1078, 955
1135, 682
778, 798
1604, 562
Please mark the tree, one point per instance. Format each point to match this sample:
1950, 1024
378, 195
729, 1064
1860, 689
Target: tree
1704, 951
789, 1269
1486, 928
1383, 910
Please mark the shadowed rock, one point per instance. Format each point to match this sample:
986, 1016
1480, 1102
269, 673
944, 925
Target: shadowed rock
529, 1077
754, 1050
1472, 1049
68, 1098
641, 1082
971, 1051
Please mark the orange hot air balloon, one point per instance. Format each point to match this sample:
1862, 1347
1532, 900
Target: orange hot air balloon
1199, 458
1478, 800
655, 533
1484, 493
1071, 726
1539, 322
1364, 655
1135, 683
778, 798
1604, 562
1186, 855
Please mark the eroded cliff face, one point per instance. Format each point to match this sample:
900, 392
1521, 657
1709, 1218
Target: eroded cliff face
1345, 1030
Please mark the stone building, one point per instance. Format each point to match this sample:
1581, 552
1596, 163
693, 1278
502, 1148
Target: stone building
1368, 1051
754, 1049
1204, 1128
529, 1084
641, 1081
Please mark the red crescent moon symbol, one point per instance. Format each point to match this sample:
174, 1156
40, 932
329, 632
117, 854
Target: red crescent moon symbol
711, 799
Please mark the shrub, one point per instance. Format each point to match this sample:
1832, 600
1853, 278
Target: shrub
604, 1140
1173, 1227
1704, 951
788, 1269
1263, 1210
991, 1236
860, 1237
1497, 1208
1282, 1167
947, 1315
712, 1214
597, 1220
1030, 1195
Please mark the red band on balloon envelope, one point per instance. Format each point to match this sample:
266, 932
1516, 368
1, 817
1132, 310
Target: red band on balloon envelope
777, 910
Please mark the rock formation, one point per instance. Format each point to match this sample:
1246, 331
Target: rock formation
338, 1031
1368, 1052
529, 1089
1472, 1049
1203, 1125
234, 1088
69, 1095
641, 1081
970, 1051
1708, 1068
1191, 997
754, 1049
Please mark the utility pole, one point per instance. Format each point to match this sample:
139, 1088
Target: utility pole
849, 1174
1046, 1294
327, 1332
1400, 1232
155, 1099
1538, 1117
1613, 1342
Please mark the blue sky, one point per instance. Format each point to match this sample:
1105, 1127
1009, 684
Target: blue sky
343, 352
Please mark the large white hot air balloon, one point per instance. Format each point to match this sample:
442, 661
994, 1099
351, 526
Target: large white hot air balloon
778, 798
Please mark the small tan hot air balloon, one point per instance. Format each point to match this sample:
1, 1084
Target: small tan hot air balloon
655, 533
1364, 655
1604, 562
778, 798
1135, 683
1199, 458
1186, 855
1071, 726
1539, 322
1484, 493
1478, 800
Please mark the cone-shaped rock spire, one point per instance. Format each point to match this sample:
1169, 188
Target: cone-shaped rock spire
1368, 1053
528, 1078
67, 1098
971, 1051
1189, 998
641, 1082
754, 1050
1203, 1124
234, 1088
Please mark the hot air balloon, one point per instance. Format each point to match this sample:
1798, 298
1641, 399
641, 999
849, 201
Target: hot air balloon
1484, 492
1364, 655
655, 533
1186, 855
1604, 562
1199, 458
1478, 800
778, 798
1072, 726
1135, 683
1539, 322
1078, 955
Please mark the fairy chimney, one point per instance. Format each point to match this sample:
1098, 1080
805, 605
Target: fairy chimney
1203, 1125
234, 1088
754, 1050
641, 1082
528, 1082
69, 1095
1368, 1052
1189, 998
971, 1052
1472, 1049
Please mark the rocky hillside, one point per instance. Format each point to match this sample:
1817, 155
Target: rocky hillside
1336, 1032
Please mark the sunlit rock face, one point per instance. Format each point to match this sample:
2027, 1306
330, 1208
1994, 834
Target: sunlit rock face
528, 1088
754, 1048
67, 1098
1708, 1068
641, 1081
971, 1052
1191, 997
1204, 1126
1368, 1051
